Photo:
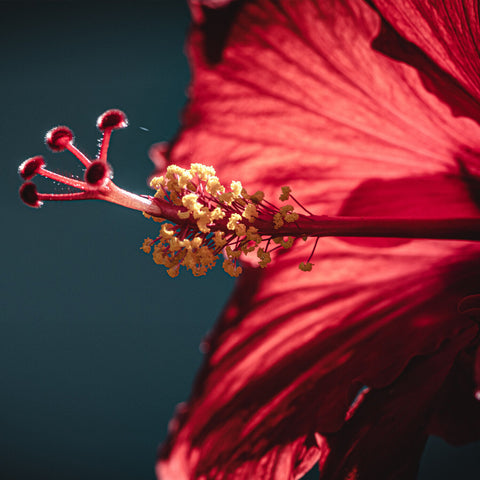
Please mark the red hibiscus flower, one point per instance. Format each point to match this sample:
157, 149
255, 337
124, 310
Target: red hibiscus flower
364, 109
368, 111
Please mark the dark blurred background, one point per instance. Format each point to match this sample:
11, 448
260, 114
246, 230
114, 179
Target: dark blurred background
97, 343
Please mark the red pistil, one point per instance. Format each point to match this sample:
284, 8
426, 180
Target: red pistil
31, 167
29, 194
98, 184
111, 120
467, 228
97, 173
59, 138
107, 122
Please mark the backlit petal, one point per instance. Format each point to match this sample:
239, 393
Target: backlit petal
294, 94
448, 32
289, 101
385, 436
285, 363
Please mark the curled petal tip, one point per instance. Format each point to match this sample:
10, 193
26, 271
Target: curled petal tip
30, 167
112, 119
59, 138
29, 195
157, 154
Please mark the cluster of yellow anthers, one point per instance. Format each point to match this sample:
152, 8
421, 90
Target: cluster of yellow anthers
212, 219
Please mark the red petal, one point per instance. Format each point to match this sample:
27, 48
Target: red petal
449, 34
432, 196
228, 447
286, 105
286, 362
385, 436
295, 95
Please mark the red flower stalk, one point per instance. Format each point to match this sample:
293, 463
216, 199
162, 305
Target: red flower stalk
369, 111
201, 218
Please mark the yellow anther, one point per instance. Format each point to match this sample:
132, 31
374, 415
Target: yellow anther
288, 214
199, 194
155, 219
157, 182
278, 221
199, 270
173, 170
179, 178
214, 187
200, 212
250, 212
235, 218
203, 172
165, 233
232, 253
173, 175
185, 179
291, 217
190, 201
202, 223
206, 257
190, 260
174, 244
285, 214
227, 197
264, 257
286, 209
217, 214
285, 194
253, 236
230, 268
174, 271
306, 267
288, 243
248, 247
257, 197
159, 255
240, 230
236, 188
185, 244
147, 245
220, 242
284, 243
195, 242
173, 186
183, 215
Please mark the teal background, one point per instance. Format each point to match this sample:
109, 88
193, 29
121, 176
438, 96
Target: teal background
97, 343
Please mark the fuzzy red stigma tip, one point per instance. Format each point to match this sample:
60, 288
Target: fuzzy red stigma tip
29, 195
59, 138
31, 167
97, 183
97, 173
112, 119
